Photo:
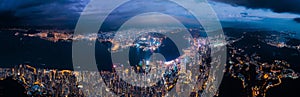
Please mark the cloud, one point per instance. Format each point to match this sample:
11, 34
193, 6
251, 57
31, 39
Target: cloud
227, 12
279, 6
59, 12
297, 20
56, 12
132, 8
42, 12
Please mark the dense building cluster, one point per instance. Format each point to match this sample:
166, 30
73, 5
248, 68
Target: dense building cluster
44, 82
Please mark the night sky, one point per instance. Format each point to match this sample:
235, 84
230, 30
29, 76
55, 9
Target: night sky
67, 12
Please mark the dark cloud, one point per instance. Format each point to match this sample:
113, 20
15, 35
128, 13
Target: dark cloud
9, 15
297, 20
40, 12
290, 6
57, 12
